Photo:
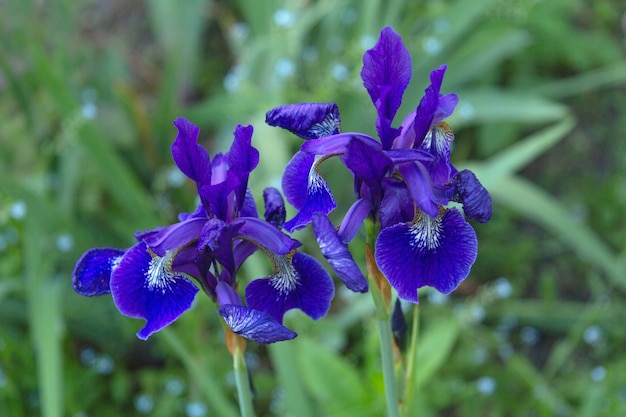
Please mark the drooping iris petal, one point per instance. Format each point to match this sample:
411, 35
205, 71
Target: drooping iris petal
474, 197
144, 286
165, 238
386, 74
429, 105
432, 251
92, 272
266, 235
318, 199
242, 159
353, 219
397, 204
296, 177
337, 254
191, 158
275, 212
254, 325
298, 282
307, 120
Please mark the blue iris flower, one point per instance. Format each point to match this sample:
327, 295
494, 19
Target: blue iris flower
404, 181
154, 279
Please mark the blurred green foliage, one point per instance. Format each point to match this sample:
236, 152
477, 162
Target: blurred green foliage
89, 91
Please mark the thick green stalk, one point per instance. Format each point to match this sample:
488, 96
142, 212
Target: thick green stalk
389, 373
381, 294
243, 384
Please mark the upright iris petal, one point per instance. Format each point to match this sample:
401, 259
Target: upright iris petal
299, 281
190, 157
307, 120
242, 159
92, 272
386, 74
430, 251
143, 285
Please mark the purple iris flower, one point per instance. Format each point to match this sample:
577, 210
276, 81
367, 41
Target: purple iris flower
403, 181
153, 280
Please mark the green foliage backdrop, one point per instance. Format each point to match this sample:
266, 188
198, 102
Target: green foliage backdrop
88, 92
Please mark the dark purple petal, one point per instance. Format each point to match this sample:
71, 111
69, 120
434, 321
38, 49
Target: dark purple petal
275, 212
144, 286
386, 74
337, 254
474, 197
437, 252
426, 195
192, 159
447, 104
254, 325
219, 199
318, 199
429, 105
249, 206
336, 144
307, 120
165, 238
296, 177
92, 272
299, 281
397, 205
242, 159
216, 243
226, 294
369, 164
266, 235
199, 212
353, 219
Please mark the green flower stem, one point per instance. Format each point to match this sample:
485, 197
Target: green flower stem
243, 384
380, 290
389, 373
410, 367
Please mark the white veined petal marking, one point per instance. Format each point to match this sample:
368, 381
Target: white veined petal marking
326, 127
438, 138
426, 232
285, 278
159, 276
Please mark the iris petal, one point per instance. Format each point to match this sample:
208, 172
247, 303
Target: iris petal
242, 159
296, 177
430, 106
190, 157
92, 273
386, 74
307, 120
318, 199
299, 282
337, 254
275, 212
254, 325
474, 197
144, 286
436, 252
